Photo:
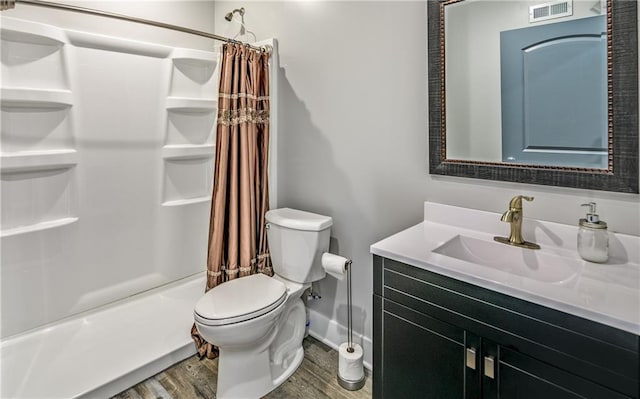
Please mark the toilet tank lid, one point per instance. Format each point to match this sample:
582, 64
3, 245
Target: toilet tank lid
298, 220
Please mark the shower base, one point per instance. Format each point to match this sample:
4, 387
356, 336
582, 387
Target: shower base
100, 353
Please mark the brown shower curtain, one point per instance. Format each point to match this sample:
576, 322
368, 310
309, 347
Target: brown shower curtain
237, 234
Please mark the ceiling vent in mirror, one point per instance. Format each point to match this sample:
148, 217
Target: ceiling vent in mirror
556, 9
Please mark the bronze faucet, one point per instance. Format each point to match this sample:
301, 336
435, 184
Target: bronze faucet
514, 217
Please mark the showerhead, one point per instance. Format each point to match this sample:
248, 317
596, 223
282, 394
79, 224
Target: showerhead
229, 16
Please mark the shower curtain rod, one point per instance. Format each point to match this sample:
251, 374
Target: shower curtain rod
8, 4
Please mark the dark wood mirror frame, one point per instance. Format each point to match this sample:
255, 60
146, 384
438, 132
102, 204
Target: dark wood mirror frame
622, 174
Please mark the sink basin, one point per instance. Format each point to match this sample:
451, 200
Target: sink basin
534, 264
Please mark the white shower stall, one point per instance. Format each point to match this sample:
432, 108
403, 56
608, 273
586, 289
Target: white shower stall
107, 152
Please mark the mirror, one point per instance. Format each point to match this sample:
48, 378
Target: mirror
535, 92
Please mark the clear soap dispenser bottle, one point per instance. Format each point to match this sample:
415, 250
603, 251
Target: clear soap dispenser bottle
593, 240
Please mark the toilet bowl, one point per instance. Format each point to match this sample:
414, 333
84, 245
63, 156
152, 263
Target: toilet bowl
258, 322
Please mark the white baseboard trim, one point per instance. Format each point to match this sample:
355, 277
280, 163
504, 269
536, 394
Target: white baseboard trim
331, 333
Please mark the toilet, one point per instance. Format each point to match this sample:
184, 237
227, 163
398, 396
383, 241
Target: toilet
258, 322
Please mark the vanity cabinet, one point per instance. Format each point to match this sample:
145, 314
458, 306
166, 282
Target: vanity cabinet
438, 337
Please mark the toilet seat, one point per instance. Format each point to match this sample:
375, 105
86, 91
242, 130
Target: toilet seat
240, 300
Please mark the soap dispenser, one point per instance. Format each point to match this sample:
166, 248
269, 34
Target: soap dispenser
593, 240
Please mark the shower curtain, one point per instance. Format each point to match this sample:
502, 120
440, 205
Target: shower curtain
237, 234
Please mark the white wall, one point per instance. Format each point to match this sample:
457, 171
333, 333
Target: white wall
353, 123
353, 133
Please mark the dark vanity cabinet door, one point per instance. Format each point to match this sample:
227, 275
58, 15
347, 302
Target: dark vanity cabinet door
436, 337
423, 357
523, 377
508, 374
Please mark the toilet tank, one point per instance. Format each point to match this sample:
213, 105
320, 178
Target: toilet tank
297, 240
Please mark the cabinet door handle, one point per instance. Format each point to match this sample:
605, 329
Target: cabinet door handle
471, 358
489, 367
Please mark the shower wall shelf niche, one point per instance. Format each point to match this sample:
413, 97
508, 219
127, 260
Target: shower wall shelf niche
36, 129
196, 57
35, 98
187, 151
33, 56
36, 199
37, 227
193, 73
37, 160
38, 144
191, 114
190, 201
191, 104
190, 126
18, 30
187, 179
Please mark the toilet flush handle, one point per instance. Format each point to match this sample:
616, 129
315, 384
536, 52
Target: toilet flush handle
267, 226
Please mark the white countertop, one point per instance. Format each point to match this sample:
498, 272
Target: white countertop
606, 293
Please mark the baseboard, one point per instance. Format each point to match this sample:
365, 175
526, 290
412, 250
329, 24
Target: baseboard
332, 333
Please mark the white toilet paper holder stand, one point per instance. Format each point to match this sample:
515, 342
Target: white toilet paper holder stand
344, 383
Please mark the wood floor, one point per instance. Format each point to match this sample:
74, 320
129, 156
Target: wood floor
194, 378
